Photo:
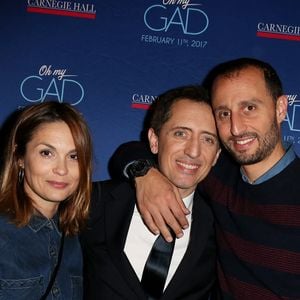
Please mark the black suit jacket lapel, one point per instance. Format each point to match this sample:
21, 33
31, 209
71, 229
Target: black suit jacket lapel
118, 213
199, 234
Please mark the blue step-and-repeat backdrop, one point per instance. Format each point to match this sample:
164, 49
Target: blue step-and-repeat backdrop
111, 59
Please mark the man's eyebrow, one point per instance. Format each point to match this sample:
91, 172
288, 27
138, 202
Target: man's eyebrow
220, 107
180, 127
190, 129
211, 133
250, 101
241, 103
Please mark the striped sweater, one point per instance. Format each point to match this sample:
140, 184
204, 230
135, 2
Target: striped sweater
258, 232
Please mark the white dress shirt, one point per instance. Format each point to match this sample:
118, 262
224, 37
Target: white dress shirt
140, 241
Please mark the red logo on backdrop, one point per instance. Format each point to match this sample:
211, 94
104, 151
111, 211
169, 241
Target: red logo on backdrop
278, 31
62, 8
142, 101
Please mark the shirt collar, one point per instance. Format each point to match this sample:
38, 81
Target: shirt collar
287, 158
37, 222
188, 201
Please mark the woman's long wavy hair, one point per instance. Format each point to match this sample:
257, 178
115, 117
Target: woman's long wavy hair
13, 200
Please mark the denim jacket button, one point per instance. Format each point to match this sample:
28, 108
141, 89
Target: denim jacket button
55, 291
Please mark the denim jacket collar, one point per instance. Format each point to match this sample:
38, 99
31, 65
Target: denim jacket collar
37, 222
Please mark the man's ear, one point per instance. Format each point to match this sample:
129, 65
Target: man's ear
153, 141
281, 108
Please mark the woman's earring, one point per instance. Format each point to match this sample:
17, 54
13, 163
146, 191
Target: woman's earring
21, 175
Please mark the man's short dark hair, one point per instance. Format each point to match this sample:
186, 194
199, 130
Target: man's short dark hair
229, 68
161, 108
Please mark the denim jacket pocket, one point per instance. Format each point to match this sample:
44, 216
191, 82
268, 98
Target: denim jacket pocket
77, 287
21, 289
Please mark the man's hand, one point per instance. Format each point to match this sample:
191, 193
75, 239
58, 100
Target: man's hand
160, 204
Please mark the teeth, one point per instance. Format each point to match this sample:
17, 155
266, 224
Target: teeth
243, 142
188, 166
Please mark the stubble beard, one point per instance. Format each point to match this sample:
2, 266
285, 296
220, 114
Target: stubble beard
267, 144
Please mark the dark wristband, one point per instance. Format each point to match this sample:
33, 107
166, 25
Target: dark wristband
138, 168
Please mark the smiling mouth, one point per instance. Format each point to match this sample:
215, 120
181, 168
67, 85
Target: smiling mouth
188, 166
245, 141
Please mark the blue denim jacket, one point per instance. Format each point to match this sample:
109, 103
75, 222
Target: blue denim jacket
28, 256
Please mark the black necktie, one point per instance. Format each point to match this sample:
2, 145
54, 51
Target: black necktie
157, 267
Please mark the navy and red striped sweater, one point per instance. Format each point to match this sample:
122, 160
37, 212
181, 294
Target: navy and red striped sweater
258, 232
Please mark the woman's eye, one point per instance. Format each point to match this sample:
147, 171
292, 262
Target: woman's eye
74, 156
46, 153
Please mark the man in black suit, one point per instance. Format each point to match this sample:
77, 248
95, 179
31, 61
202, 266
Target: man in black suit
116, 243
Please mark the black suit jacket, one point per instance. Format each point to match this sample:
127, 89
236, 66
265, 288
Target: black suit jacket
107, 272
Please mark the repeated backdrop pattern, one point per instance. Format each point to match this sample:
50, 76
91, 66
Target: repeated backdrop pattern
112, 58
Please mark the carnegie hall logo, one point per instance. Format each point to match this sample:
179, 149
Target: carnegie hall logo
78, 9
142, 101
278, 31
50, 83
